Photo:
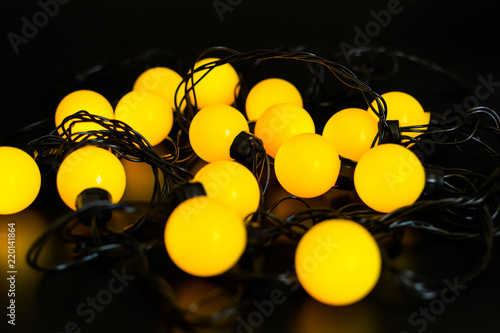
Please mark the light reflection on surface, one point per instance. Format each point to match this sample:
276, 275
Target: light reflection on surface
313, 316
29, 224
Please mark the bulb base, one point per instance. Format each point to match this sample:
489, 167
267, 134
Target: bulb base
391, 133
92, 196
434, 181
245, 149
436, 119
345, 180
184, 191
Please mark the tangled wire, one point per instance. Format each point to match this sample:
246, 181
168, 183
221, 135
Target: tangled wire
466, 207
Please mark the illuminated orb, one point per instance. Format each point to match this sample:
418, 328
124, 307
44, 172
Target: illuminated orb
428, 117
204, 237
147, 113
162, 81
90, 167
404, 108
20, 180
268, 92
231, 183
219, 86
338, 262
351, 131
140, 181
389, 176
213, 129
83, 100
307, 165
279, 123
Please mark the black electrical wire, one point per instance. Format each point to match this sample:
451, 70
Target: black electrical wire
467, 209
342, 73
97, 246
119, 138
467, 129
367, 56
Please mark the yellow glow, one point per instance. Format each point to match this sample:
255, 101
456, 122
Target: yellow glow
428, 117
90, 167
213, 129
140, 181
217, 87
162, 81
403, 107
20, 180
231, 183
204, 237
307, 165
83, 100
279, 123
338, 262
147, 113
389, 176
351, 131
29, 225
268, 92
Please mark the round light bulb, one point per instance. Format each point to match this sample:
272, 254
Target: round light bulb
83, 100
231, 183
219, 86
147, 113
281, 122
338, 262
204, 237
427, 117
307, 165
404, 108
140, 181
213, 129
268, 92
90, 167
351, 131
388, 177
20, 180
162, 81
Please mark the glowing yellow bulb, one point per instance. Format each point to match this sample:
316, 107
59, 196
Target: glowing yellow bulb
204, 237
307, 165
268, 92
427, 117
404, 108
162, 81
231, 183
351, 131
90, 167
389, 176
213, 129
140, 181
83, 100
20, 180
219, 86
147, 113
279, 123
338, 262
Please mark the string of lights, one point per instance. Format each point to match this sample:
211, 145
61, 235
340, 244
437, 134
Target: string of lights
396, 191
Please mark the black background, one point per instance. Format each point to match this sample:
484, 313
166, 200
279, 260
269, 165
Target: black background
462, 36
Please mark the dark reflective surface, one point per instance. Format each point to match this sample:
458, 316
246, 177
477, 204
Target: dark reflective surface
110, 296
